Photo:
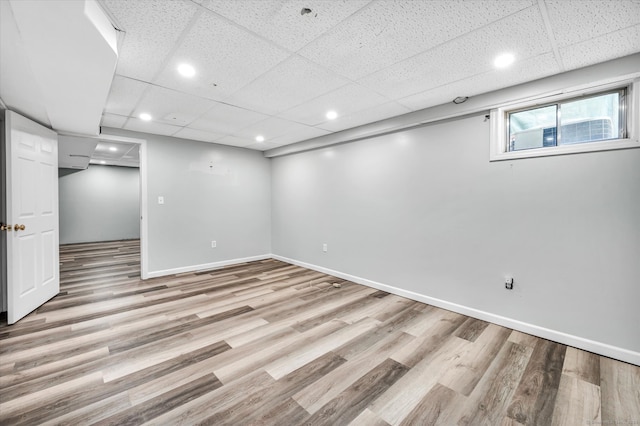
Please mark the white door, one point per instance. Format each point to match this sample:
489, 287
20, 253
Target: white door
32, 212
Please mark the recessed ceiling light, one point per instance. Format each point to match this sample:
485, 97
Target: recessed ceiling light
332, 115
113, 148
186, 70
144, 116
260, 138
504, 60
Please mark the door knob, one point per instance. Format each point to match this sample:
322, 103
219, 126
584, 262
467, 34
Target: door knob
4, 227
18, 227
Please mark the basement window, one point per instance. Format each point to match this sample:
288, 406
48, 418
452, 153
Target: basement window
598, 119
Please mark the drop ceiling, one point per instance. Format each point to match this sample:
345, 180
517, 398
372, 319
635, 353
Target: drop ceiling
265, 68
78, 152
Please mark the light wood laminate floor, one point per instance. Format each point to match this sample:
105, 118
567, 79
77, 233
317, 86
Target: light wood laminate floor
269, 343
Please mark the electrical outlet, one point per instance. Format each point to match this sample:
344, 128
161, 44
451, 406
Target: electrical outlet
324, 247
160, 200
213, 244
508, 283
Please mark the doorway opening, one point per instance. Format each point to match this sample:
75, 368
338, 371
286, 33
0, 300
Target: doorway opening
102, 192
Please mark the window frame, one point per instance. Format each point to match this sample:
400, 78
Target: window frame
500, 123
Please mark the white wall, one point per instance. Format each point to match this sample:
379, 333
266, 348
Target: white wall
424, 211
101, 203
211, 192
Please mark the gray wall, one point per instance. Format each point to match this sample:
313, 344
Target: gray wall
211, 192
101, 203
425, 211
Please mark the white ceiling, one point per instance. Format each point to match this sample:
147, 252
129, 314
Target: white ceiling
124, 154
78, 152
265, 68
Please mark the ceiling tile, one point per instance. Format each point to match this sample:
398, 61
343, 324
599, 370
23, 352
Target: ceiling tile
172, 107
344, 100
235, 141
272, 128
522, 71
282, 21
289, 84
226, 119
522, 33
152, 28
387, 32
113, 120
153, 127
297, 135
125, 95
603, 48
380, 112
112, 150
125, 154
226, 58
575, 21
197, 135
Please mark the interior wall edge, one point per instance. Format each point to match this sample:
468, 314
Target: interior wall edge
599, 348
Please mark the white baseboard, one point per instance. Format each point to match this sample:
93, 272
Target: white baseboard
206, 266
554, 335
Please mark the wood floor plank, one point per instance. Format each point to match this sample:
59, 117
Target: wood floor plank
273, 355
348, 404
490, 399
582, 365
437, 405
258, 404
270, 343
471, 329
199, 409
19, 375
93, 412
535, 398
523, 339
471, 367
363, 342
299, 357
406, 394
332, 384
429, 341
161, 404
35, 405
368, 417
578, 402
620, 391
285, 412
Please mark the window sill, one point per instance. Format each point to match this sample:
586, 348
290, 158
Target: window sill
608, 145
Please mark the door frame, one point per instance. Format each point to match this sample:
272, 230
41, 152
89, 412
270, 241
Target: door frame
3, 216
144, 223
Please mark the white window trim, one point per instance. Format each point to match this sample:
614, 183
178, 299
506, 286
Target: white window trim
498, 150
